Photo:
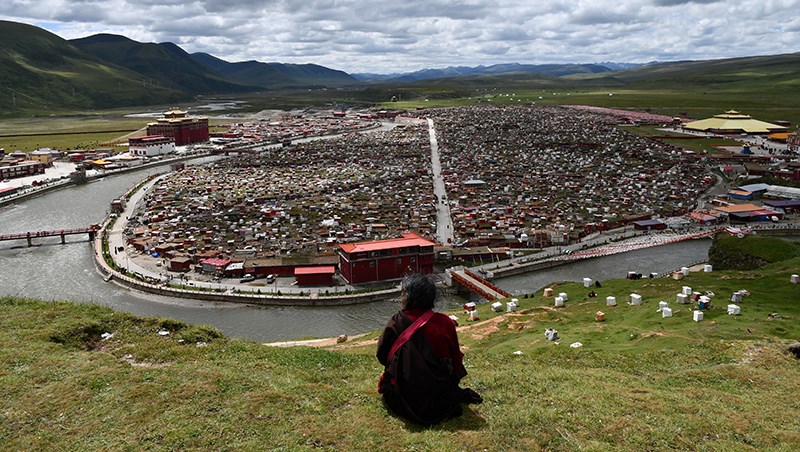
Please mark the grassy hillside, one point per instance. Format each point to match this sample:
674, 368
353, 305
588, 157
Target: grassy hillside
41, 72
277, 75
159, 64
638, 382
764, 87
732, 253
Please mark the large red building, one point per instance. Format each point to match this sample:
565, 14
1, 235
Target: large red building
185, 129
383, 260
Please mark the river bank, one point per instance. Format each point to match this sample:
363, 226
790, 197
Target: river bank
64, 183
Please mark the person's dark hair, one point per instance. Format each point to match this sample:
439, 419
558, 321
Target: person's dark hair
420, 292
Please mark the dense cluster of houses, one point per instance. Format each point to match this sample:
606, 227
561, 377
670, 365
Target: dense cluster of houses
288, 127
289, 207
516, 176
543, 174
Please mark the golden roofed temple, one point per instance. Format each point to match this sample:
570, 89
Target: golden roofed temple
184, 129
733, 122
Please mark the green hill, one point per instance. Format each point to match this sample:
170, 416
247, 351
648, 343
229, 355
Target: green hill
277, 75
770, 73
159, 64
765, 87
41, 72
750, 252
638, 382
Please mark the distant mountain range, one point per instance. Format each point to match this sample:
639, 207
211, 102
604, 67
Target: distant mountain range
553, 70
40, 71
277, 75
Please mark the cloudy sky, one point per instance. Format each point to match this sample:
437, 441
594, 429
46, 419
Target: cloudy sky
406, 35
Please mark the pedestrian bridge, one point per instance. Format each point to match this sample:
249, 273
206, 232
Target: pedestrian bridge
29, 236
477, 284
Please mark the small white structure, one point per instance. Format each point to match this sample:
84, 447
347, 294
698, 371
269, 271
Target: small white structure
548, 292
559, 302
795, 279
587, 282
497, 306
473, 315
551, 334
611, 301
707, 268
151, 145
733, 309
511, 306
682, 298
736, 297
662, 305
698, 316
515, 301
126, 160
685, 270
563, 296
686, 290
666, 312
636, 299
454, 319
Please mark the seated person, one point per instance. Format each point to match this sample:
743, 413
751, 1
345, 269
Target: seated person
421, 379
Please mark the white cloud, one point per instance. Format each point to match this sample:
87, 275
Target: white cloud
369, 36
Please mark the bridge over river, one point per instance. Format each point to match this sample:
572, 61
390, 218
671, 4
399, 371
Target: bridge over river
29, 236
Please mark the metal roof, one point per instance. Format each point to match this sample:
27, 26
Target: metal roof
734, 122
754, 187
324, 270
377, 245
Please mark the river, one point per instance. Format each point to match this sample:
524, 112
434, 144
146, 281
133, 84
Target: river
52, 271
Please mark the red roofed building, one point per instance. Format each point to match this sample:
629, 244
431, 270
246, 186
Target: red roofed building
315, 276
383, 260
184, 129
212, 265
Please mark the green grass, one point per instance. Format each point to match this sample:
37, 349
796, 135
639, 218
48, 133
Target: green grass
77, 131
750, 252
708, 146
639, 382
671, 99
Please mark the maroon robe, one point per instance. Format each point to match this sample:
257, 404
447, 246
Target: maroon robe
423, 382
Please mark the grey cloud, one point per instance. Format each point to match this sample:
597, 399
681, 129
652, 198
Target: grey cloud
510, 34
595, 16
683, 2
368, 36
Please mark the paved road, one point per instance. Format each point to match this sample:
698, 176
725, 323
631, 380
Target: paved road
444, 223
116, 239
